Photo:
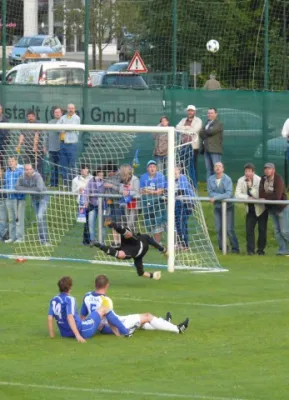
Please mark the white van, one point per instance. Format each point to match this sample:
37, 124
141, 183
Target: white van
48, 73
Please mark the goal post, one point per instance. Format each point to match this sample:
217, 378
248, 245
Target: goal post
107, 144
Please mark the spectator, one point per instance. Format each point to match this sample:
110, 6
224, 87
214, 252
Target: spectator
152, 186
52, 147
212, 141
129, 188
3, 211
94, 187
220, 187
79, 184
32, 181
161, 146
15, 202
31, 144
212, 83
272, 188
3, 139
68, 143
113, 210
183, 208
248, 188
190, 128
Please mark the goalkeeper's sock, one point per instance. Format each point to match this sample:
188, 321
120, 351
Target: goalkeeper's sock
161, 324
114, 321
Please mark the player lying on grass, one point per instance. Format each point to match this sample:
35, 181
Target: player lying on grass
132, 246
63, 309
97, 299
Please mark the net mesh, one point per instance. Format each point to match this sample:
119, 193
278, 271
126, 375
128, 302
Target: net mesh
61, 224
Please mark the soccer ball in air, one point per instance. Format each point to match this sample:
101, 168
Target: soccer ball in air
213, 46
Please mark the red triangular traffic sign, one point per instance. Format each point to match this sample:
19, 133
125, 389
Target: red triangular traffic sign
137, 64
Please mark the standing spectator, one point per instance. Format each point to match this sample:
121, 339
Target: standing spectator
68, 144
248, 188
129, 188
79, 184
183, 208
212, 141
32, 181
3, 211
31, 144
190, 128
152, 186
220, 187
161, 146
52, 146
94, 187
272, 188
3, 139
15, 202
113, 209
212, 83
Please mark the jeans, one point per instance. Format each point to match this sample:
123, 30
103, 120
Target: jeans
86, 236
251, 221
162, 162
281, 228
188, 164
40, 207
230, 227
92, 218
210, 160
16, 216
54, 161
68, 153
3, 219
182, 213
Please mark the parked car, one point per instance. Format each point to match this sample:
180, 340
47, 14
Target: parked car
118, 67
275, 149
15, 57
117, 79
48, 73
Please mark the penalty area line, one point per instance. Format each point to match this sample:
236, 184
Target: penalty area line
111, 391
178, 303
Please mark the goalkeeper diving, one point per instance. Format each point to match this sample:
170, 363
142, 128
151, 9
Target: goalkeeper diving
132, 246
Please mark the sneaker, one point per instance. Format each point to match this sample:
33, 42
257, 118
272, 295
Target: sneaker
157, 275
168, 317
131, 331
251, 253
261, 253
9, 241
94, 243
183, 325
46, 244
19, 241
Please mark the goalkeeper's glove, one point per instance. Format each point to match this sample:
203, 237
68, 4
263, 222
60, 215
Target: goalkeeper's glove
165, 252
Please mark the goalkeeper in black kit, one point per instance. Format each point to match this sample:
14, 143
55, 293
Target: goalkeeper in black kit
132, 246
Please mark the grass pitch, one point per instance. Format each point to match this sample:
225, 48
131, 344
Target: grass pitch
235, 348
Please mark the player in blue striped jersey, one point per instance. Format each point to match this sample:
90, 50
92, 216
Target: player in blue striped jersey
97, 299
63, 309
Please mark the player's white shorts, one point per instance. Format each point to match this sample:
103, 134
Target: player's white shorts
129, 321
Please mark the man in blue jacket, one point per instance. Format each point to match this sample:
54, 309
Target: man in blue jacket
220, 187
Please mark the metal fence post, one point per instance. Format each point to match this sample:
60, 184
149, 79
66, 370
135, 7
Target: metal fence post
224, 227
100, 219
174, 41
4, 44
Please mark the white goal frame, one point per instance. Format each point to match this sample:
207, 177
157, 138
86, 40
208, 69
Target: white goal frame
170, 131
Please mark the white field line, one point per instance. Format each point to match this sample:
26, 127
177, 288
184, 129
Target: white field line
119, 392
240, 304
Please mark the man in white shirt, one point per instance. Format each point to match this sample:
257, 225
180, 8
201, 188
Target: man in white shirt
189, 128
248, 188
285, 134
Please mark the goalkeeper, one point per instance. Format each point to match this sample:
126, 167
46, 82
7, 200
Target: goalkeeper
132, 246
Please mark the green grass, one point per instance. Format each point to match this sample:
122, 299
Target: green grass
235, 348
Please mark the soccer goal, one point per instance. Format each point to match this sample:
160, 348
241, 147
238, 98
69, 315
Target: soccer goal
114, 179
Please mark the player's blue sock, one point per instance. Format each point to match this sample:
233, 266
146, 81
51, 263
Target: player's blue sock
113, 320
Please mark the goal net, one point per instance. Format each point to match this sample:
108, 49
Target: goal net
67, 205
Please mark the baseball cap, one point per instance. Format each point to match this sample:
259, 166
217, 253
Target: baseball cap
151, 162
191, 107
269, 165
